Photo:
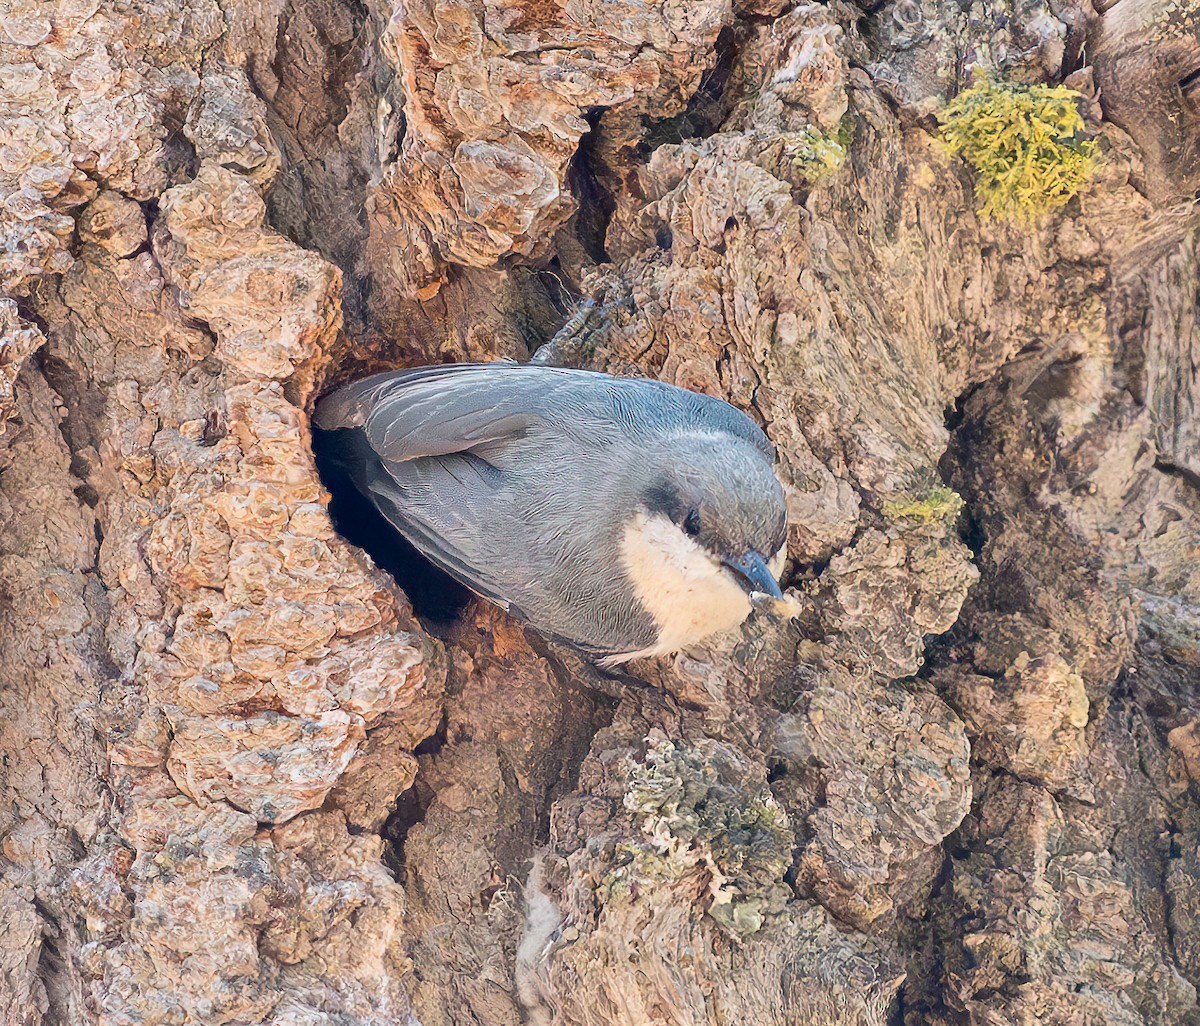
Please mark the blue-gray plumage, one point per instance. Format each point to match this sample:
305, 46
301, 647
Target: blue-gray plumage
627, 517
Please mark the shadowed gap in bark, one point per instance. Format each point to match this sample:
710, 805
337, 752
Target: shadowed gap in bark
319, 199
708, 107
585, 178
411, 807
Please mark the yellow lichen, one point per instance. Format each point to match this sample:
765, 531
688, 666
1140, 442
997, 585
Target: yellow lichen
814, 154
1027, 144
939, 504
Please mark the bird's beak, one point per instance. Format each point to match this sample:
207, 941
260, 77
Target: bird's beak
755, 574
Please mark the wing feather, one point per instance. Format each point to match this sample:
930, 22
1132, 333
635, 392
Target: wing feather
438, 544
433, 411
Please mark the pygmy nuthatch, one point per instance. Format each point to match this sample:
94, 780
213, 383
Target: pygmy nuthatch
626, 517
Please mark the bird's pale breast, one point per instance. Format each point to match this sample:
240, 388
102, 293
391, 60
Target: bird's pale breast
689, 594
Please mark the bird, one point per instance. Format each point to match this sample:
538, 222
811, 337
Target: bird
626, 517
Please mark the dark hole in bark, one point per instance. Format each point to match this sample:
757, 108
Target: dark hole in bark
411, 807
972, 534
954, 414
84, 405
1158, 707
216, 427
436, 597
1073, 51
816, 568
1174, 848
410, 810
1188, 476
585, 179
1189, 85
707, 108
88, 495
51, 968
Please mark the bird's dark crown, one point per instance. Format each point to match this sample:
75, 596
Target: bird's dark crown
726, 497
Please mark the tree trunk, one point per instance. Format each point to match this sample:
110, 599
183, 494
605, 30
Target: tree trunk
249, 776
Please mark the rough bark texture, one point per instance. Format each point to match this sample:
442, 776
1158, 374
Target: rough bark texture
242, 781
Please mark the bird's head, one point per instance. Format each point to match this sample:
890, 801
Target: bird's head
718, 497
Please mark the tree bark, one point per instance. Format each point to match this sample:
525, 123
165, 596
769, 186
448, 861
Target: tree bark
247, 775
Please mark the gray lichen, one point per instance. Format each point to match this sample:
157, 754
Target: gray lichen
699, 807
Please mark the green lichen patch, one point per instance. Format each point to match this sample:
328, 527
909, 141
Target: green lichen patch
700, 807
941, 503
812, 154
803, 158
1027, 144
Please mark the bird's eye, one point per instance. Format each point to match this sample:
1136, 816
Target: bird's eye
691, 523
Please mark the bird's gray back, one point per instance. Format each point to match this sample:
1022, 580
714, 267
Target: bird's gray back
424, 410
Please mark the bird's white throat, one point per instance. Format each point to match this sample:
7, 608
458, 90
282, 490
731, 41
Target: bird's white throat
687, 590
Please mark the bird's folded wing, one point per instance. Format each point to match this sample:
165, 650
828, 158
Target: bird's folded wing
435, 411
416, 447
441, 529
